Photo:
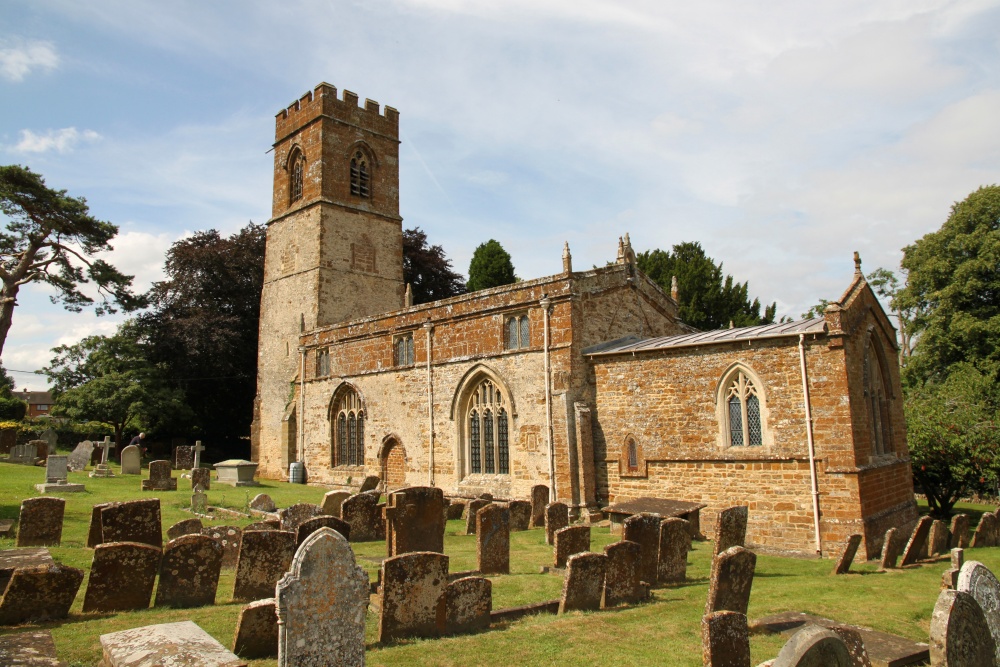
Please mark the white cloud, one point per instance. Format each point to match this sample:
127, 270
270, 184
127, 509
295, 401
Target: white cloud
16, 61
61, 141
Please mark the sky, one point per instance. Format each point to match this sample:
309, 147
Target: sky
782, 136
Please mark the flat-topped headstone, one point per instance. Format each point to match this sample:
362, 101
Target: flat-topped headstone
29, 649
813, 646
569, 541
183, 457
731, 528
622, 584
987, 531
414, 520
369, 483
493, 539
182, 643
263, 503
257, 630
78, 460
725, 639
121, 577
11, 559
520, 515
229, 537
132, 460
184, 527
843, 564
321, 604
265, 556
132, 521
39, 593
644, 530
556, 517
332, 502
160, 477
189, 572
731, 580
56, 469
979, 581
960, 634
40, 522
539, 499
675, 543
937, 541
412, 586
468, 602
918, 541
959, 532
201, 477
236, 472
292, 517
472, 509
310, 526
583, 585
890, 550
362, 513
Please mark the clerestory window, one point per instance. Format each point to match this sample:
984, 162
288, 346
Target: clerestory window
402, 350
742, 411
516, 332
360, 177
322, 362
489, 431
348, 430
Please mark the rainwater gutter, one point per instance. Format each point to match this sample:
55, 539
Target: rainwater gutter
545, 303
428, 327
812, 444
301, 453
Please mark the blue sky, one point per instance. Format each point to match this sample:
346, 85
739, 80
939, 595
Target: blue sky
782, 135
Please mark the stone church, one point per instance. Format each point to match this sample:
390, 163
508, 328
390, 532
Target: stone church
586, 381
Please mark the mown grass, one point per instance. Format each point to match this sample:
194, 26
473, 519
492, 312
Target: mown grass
664, 631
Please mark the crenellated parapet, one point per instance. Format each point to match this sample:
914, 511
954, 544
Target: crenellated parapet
322, 101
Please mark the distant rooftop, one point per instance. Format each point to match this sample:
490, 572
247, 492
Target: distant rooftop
813, 325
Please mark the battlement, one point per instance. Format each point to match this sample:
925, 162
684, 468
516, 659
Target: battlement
323, 101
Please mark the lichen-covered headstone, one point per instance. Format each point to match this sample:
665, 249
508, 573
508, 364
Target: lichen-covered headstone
583, 585
183, 457
890, 550
843, 564
493, 539
257, 630
917, 542
184, 527
940, 536
412, 586
229, 537
539, 499
332, 502
272, 524
556, 517
29, 649
121, 577
520, 515
160, 477
731, 528
263, 503
361, 511
813, 646
80, 456
622, 584
731, 580
189, 572
94, 533
675, 542
265, 556
979, 581
644, 530
468, 602
570, 540
40, 522
321, 604
132, 460
132, 521
292, 517
175, 644
960, 635
310, 526
414, 520
39, 593
986, 531
201, 477
725, 639
472, 509
959, 532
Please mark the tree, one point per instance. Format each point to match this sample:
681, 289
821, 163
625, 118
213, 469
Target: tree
888, 286
707, 300
817, 310
490, 267
953, 435
427, 270
953, 289
52, 238
5, 379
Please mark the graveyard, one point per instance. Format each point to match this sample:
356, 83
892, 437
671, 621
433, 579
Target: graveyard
665, 629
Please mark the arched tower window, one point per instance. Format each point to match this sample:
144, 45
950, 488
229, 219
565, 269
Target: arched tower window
488, 431
876, 398
348, 426
360, 175
741, 410
296, 163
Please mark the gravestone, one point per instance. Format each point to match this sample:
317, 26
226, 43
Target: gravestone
675, 542
184, 527
412, 586
40, 522
937, 542
556, 517
622, 584
322, 604
520, 515
486, 496
189, 572
731, 580
731, 528
57, 477
262, 502
29, 649
814, 646
414, 520
843, 564
310, 526
271, 524
25, 454
132, 521
94, 534
960, 634
890, 550
570, 540
918, 541
362, 513
583, 585
50, 437
644, 530
264, 557
201, 477
959, 532
173, 644
197, 450
293, 516
78, 460
199, 501
332, 502
493, 539
132, 460
236, 472
257, 630
986, 531
121, 577
103, 469
539, 499
11, 559
370, 483
467, 603
39, 593
949, 579
472, 509
160, 477
183, 458
978, 581
455, 509
725, 639
230, 538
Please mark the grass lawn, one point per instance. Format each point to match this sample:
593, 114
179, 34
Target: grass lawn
665, 631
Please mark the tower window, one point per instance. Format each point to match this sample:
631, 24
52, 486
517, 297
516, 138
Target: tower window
323, 362
360, 178
295, 181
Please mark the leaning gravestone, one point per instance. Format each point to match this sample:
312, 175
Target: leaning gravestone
263, 503
332, 502
160, 477
94, 534
986, 531
189, 572
622, 584
183, 458
184, 527
132, 521
960, 634
583, 585
39, 593
201, 477
293, 516
890, 550
468, 602
121, 577
40, 523
472, 509
843, 565
264, 557
725, 639
644, 530
731, 580
675, 542
918, 541
174, 644
937, 542
50, 437
814, 646
80, 457
556, 517
321, 605
539, 499
132, 460
569, 541
257, 630
310, 526
959, 532
370, 483
520, 515
414, 520
412, 586
493, 539
362, 513
730, 528
229, 537
978, 581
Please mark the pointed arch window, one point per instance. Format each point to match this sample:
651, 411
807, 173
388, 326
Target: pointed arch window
744, 424
297, 163
488, 431
348, 447
877, 400
360, 176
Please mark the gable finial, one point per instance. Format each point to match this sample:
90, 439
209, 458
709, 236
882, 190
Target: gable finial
857, 264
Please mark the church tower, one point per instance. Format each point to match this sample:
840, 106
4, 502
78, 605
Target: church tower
334, 245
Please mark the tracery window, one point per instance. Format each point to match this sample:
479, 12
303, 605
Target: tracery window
297, 162
402, 350
516, 332
742, 411
348, 430
360, 178
876, 397
489, 431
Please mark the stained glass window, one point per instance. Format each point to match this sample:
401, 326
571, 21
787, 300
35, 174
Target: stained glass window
489, 431
349, 436
474, 443
503, 451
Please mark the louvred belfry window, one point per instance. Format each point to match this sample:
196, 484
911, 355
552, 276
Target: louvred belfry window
360, 177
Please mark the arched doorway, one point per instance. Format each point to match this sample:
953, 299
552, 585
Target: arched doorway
393, 465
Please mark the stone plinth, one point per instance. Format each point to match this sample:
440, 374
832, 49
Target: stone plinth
237, 472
